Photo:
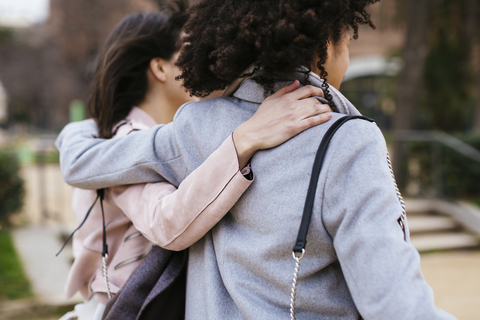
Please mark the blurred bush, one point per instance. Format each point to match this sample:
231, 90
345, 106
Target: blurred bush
12, 191
459, 176
448, 98
27, 155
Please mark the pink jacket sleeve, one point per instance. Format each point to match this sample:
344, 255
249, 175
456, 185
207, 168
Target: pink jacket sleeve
175, 219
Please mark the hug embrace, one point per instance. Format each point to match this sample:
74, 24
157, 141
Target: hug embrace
228, 177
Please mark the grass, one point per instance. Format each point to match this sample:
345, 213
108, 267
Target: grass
42, 312
13, 282
477, 202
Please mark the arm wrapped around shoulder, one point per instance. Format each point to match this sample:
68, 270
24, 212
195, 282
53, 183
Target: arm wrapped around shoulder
90, 163
360, 212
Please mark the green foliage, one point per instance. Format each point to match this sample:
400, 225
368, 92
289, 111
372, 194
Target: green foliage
27, 155
13, 283
448, 98
49, 157
5, 34
12, 190
459, 174
373, 96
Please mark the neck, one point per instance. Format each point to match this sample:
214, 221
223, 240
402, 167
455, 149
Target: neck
158, 107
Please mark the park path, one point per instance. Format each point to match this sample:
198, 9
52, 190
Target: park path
455, 279
44, 221
37, 246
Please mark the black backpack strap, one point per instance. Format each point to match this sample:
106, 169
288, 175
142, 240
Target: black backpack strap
301, 241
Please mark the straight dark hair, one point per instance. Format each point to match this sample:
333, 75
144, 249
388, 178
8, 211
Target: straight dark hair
120, 80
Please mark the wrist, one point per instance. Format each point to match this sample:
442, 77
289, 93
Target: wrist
244, 145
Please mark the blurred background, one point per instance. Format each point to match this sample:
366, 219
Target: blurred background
417, 75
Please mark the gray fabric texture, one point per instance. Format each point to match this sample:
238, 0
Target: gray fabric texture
356, 262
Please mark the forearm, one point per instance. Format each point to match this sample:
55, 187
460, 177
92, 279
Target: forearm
90, 163
175, 219
148, 155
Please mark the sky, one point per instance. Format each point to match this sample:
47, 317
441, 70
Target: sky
22, 13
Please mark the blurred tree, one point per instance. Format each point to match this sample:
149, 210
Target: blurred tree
442, 70
473, 39
34, 80
78, 29
448, 82
45, 67
82, 26
417, 17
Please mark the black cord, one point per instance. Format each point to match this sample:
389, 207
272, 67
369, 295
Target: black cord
101, 195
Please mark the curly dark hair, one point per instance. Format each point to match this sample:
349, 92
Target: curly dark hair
224, 37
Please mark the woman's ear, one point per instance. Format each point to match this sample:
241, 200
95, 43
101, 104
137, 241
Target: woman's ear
157, 67
330, 48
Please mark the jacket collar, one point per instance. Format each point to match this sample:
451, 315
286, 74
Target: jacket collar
249, 90
140, 118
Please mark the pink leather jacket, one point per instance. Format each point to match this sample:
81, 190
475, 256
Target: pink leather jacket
138, 215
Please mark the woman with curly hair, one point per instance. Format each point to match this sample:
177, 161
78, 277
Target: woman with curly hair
360, 263
134, 89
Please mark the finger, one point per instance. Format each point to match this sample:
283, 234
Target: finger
322, 100
313, 121
287, 89
292, 87
314, 110
319, 102
310, 106
306, 105
305, 92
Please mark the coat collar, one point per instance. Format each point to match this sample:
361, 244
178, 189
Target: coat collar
139, 116
249, 90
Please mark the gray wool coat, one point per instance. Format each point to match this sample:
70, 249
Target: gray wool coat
357, 263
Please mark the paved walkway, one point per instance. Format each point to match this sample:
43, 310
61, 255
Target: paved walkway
37, 247
455, 279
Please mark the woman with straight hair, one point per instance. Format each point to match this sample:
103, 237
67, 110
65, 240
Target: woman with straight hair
359, 262
135, 88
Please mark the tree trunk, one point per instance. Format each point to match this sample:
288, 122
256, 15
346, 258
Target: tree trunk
473, 35
476, 115
417, 19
